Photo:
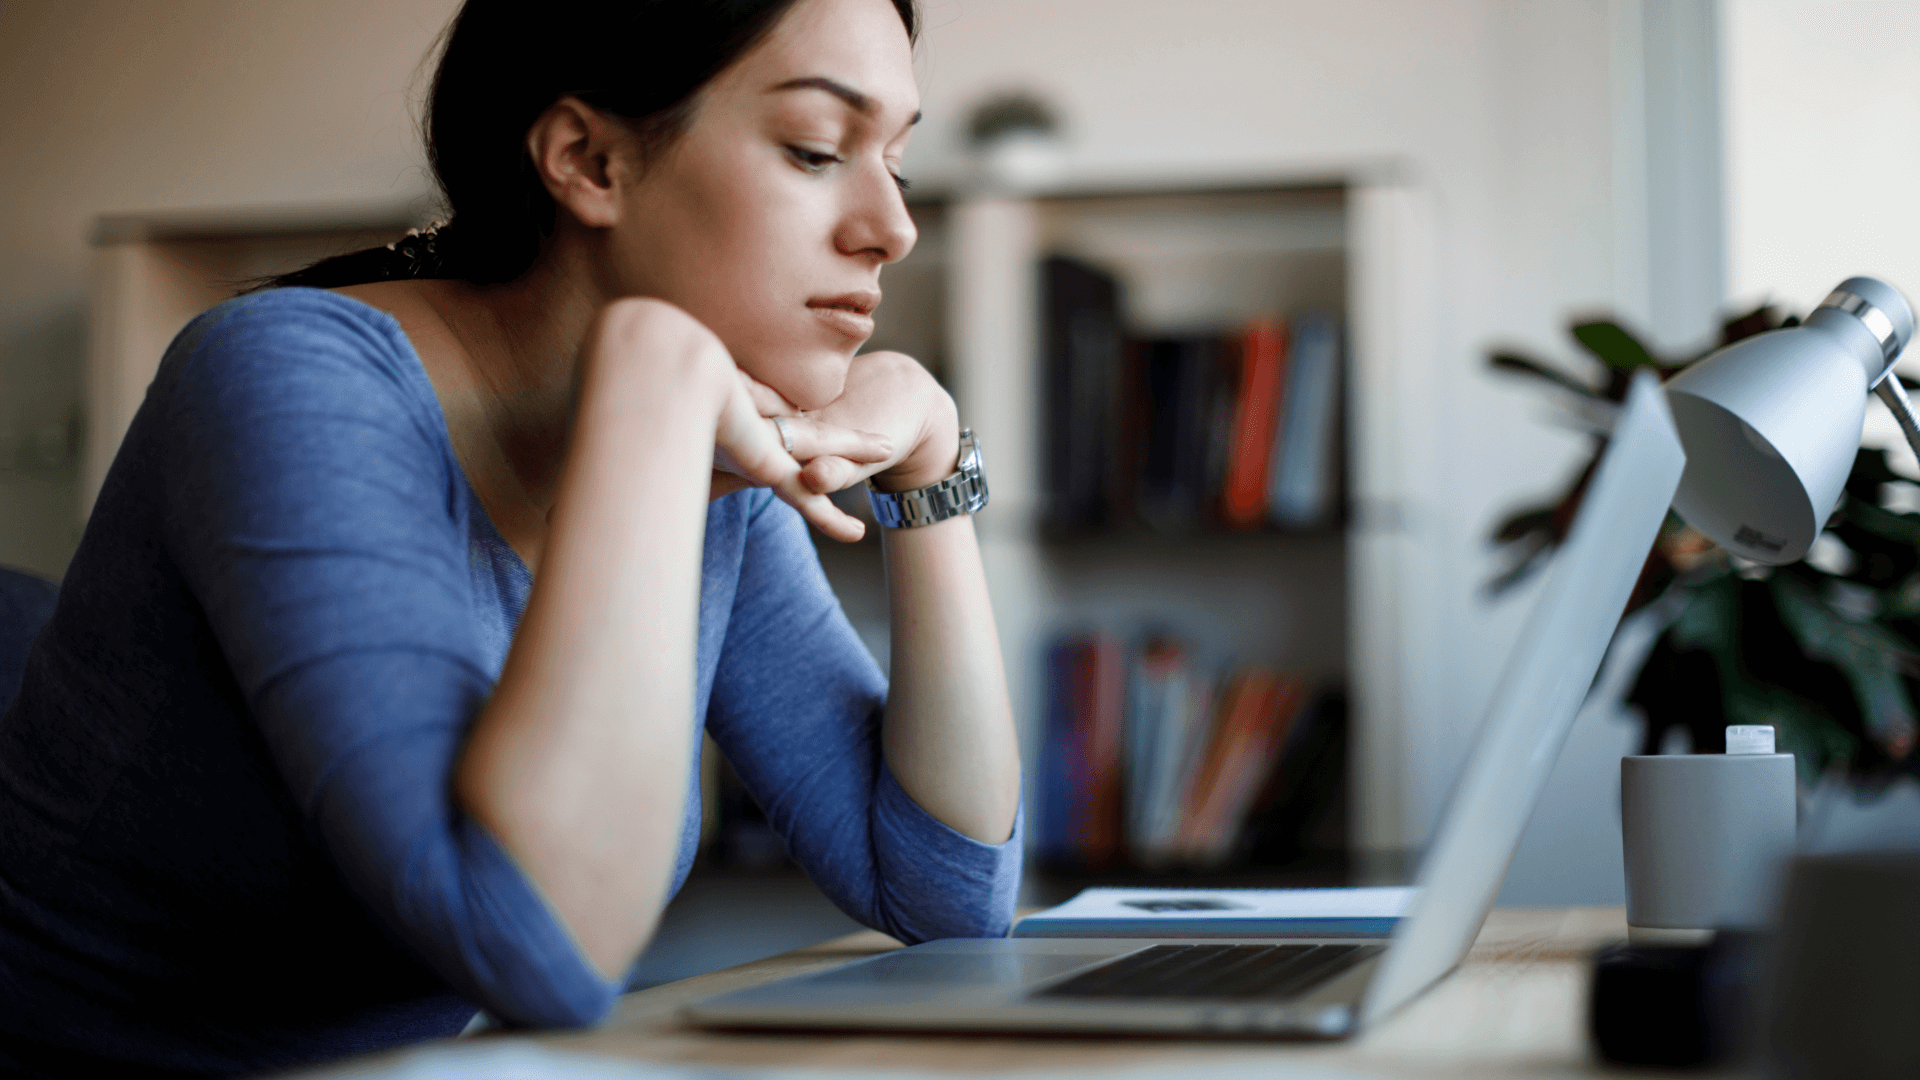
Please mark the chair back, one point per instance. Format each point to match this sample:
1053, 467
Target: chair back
26, 603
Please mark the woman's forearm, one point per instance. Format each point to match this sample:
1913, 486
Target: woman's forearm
579, 763
949, 735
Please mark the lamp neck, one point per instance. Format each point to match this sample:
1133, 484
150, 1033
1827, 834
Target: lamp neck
1843, 307
1856, 338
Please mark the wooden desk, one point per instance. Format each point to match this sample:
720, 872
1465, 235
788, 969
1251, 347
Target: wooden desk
1516, 1008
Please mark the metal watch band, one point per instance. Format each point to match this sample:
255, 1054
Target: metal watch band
965, 492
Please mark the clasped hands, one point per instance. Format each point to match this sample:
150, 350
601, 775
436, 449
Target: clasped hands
893, 423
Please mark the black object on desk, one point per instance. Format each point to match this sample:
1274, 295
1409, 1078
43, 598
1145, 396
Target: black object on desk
1675, 1005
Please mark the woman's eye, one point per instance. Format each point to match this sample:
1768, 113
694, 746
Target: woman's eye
812, 160
902, 181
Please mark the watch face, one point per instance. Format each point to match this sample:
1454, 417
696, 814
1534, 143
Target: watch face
971, 459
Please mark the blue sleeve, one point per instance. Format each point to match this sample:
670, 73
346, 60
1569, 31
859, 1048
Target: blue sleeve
796, 708
312, 506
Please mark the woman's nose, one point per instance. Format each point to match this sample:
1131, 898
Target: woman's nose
877, 222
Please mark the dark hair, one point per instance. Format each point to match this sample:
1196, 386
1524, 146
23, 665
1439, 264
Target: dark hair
504, 63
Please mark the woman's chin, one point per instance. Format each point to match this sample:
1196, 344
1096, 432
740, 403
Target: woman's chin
811, 380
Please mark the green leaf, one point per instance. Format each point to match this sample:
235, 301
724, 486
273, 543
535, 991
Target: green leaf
1903, 601
1527, 522
1804, 730
1614, 346
1711, 619
1900, 528
1869, 654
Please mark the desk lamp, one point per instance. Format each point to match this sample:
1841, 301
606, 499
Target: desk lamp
1771, 424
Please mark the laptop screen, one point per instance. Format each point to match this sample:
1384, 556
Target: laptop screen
1545, 681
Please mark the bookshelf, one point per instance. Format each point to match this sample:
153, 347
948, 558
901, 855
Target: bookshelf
1190, 257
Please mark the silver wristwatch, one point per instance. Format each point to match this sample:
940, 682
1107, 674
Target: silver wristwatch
965, 492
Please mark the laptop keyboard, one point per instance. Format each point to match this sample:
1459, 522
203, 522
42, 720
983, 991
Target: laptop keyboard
1214, 972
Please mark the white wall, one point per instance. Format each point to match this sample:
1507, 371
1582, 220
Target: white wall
1823, 144
1822, 106
1503, 112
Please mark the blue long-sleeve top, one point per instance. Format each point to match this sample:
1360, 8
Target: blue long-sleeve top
228, 839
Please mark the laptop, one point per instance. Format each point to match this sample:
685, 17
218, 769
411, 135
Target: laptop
1305, 987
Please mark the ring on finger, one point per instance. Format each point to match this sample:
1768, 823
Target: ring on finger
786, 437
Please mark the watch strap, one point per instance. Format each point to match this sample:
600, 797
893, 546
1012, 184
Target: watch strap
965, 492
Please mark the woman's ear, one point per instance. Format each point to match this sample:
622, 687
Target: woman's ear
580, 155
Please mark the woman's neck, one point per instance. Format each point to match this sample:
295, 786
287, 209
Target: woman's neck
521, 345
503, 361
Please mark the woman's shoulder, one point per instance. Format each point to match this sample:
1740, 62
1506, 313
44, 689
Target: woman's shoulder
295, 341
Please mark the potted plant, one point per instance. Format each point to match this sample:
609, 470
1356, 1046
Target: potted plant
1826, 650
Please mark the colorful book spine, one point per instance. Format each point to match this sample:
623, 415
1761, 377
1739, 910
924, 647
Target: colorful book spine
1243, 502
1061, 819
1143, 762
1103, 674
1158, 695
1084, 347
1303, 476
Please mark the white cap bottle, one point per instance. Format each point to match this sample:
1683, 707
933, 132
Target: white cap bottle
1706, 835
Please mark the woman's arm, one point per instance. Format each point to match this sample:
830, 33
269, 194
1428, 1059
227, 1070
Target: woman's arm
317, 515
578, 764
948, 734
798, 706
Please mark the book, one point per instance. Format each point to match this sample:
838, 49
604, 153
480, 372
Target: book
1223, 913
1145, 761
1063, 804
1101, 705
1161, 697
1084, 349
1191, 730
1081, 798
1304, 471
1256, 415
1183, 395
1247, 737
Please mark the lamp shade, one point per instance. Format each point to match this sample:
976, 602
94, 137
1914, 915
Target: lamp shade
1771, 424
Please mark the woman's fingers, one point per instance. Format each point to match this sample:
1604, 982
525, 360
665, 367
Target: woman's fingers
747, 445
818, 509
810, 439
832, 473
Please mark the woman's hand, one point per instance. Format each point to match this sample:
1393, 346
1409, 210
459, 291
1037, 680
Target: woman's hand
750, 450
891, 394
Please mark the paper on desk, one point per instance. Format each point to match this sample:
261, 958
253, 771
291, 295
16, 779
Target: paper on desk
1368, 912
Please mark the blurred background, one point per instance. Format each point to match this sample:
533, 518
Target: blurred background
1216, 281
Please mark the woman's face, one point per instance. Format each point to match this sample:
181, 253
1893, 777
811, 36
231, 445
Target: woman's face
769, 218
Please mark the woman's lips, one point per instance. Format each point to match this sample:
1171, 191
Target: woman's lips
847, 315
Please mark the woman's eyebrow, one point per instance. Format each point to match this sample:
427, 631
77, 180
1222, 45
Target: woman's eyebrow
855, 100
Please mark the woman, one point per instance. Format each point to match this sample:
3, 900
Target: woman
373, 694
